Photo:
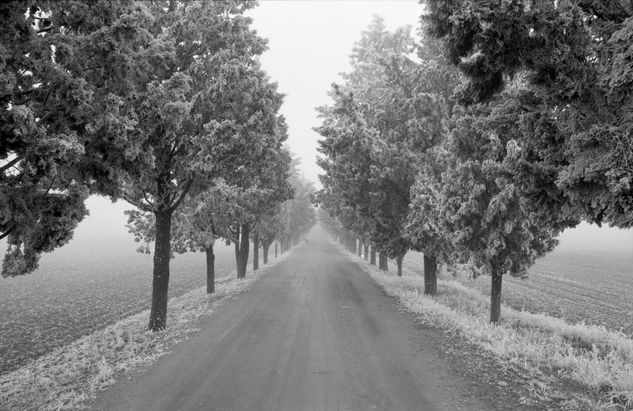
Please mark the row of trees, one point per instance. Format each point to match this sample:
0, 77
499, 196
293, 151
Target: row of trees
508, 122
162, 103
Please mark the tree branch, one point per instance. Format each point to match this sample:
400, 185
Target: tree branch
6, 233
9, 164
184, 193
137, 204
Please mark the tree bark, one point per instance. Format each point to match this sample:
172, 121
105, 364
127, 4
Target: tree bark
255, 251
360, 248
372, 259
160, 280
365, 252
238, 258
495, 296
265, 252
210, 270
382, 262
241, 251
430, 275
399, 263
276, 244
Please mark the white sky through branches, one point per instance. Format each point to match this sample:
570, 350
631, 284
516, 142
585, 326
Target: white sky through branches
309, 43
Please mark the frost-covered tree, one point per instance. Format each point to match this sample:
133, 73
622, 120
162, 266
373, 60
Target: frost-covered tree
571, 60
390, 111
485, 215
297, 215
196, 113
346, 164
435, 82
557, 79
265, 185
63, 130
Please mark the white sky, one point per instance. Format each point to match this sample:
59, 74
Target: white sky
309, 45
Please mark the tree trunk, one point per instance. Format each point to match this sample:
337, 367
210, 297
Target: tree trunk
352, 243
160, 280
399, 263
372, 259
255, 251
238, 259
241, 251
276, 244
366, 251
360, 248
210, 270
495, 296
382, 262
430, 275
265, 251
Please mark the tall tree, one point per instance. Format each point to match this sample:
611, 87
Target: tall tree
63, 132
265, 185
572, 60
434, 85
211, 53
487, 219
557, 78
346, 164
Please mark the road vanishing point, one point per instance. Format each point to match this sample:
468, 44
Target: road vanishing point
315, 333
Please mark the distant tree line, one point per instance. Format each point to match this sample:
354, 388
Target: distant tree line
160, 103
503, 124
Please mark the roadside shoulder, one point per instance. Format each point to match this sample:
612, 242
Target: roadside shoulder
534, 361
69, 376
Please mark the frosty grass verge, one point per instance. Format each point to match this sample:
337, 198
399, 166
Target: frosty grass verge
70, 375
588, 354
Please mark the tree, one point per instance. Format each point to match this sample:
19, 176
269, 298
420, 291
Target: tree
196, 225
397, 104
268, 229
63, 134
264, 184
381, 84
297, 214
196, 99
434, 86
346, 163
557, 79
483, 213
572, 62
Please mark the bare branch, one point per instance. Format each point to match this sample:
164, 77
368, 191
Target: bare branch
6, 233
183, 194
9, 164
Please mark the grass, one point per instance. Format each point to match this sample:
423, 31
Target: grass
591, 355
71, 375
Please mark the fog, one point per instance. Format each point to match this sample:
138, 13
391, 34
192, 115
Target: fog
309, 45
103, 233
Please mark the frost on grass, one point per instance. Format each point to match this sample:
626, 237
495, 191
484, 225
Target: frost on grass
589, 354
70, 375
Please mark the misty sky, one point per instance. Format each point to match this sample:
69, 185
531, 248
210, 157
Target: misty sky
309, 45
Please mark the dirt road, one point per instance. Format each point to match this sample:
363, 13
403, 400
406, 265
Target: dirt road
314, 334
